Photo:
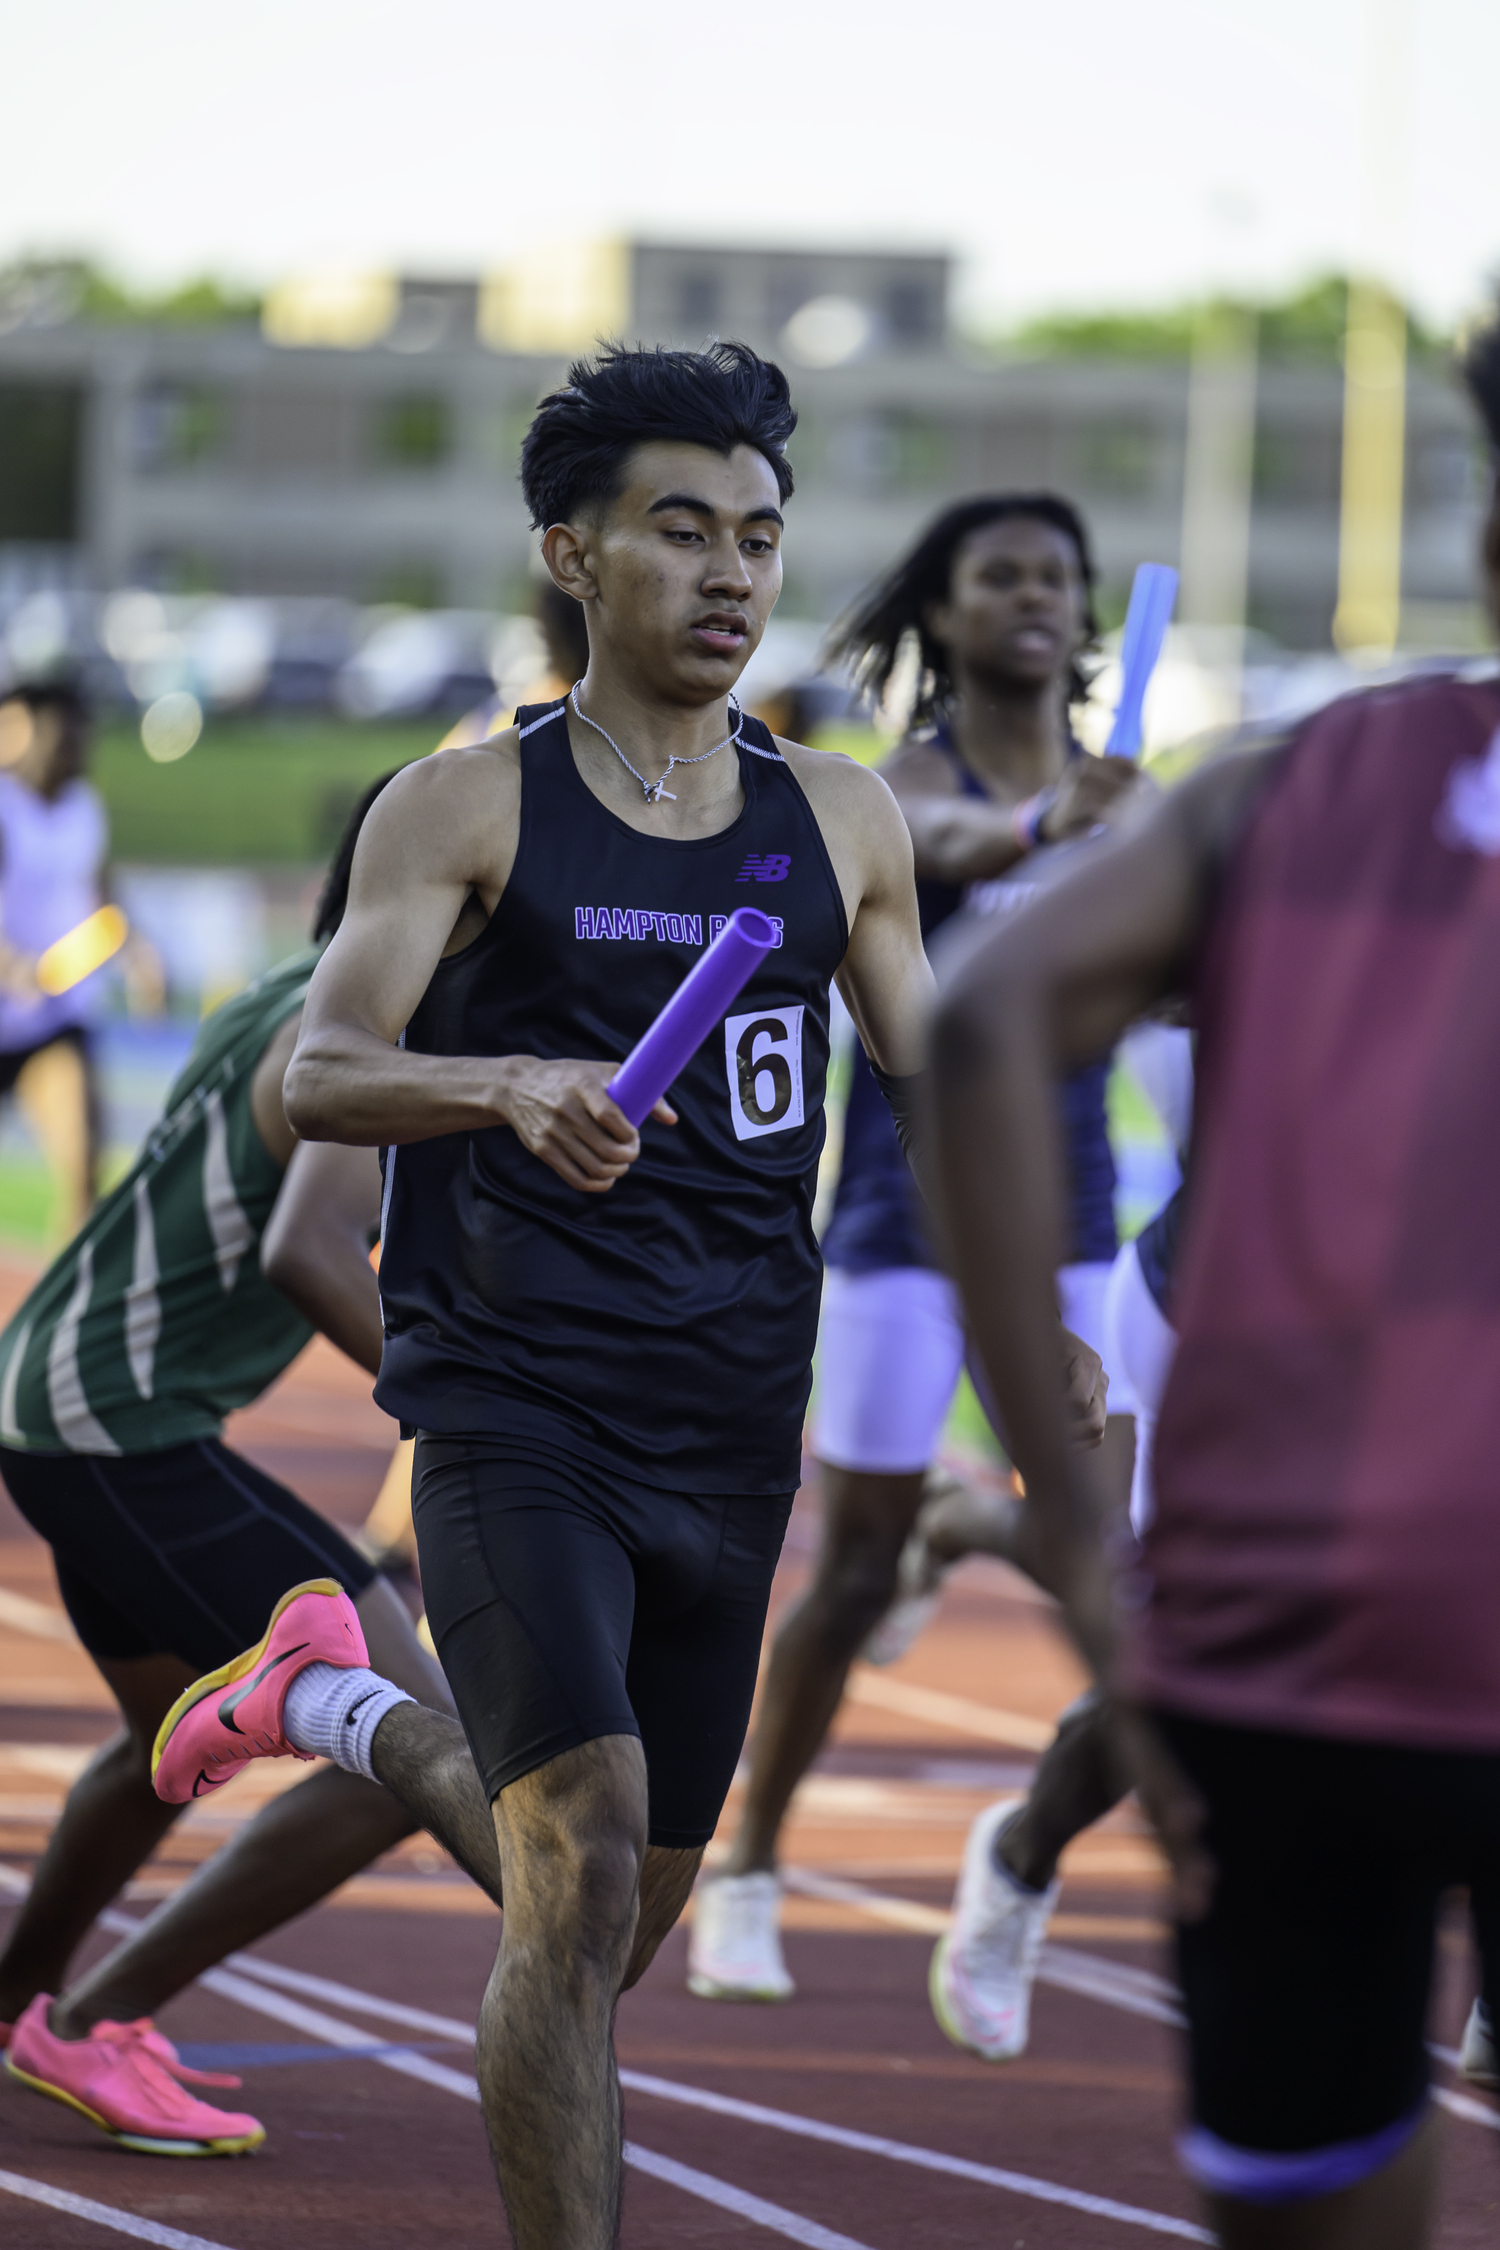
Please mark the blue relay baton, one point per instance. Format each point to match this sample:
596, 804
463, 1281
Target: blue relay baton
1152, 597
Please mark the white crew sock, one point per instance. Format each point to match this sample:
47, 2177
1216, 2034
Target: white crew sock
332, 1711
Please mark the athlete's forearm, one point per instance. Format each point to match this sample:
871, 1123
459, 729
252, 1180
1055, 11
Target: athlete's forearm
961, 840
998, 1187
344, 1084
350, 1086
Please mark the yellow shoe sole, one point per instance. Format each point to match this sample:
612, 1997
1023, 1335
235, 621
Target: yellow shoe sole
143, 2144
238, 1668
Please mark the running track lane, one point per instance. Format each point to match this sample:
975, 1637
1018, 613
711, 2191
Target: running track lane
234, 1986
364, 2157
268, 1989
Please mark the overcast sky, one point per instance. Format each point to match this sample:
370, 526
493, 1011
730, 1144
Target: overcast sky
1081, 154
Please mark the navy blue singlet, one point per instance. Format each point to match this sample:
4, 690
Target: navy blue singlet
665, 1328
877, 1220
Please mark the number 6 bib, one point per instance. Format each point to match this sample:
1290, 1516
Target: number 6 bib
763, 1055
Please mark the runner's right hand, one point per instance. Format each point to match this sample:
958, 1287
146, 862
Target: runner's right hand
561, 1112
1085, 1390
1089, 792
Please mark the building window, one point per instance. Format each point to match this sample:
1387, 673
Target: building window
910, 312
177, 426
874, 453
414, 431
1120, 459
40, 429
698, 301
1449, 472
788, 293
1297, 467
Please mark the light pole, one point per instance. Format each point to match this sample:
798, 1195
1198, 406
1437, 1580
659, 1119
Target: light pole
1367, 621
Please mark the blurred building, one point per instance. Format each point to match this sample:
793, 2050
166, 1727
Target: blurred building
362, 440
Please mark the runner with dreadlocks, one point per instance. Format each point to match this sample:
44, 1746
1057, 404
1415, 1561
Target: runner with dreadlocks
998, 594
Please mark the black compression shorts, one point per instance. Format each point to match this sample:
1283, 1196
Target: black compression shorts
1307, 1984
13, 1060
568, 1604
182, 1552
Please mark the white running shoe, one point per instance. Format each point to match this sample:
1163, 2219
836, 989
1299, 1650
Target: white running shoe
920, 1579
734, 1947
1477, 2058
983, 1970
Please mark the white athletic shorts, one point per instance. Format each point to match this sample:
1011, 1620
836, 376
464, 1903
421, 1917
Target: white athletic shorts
890, 1353
1141, 1343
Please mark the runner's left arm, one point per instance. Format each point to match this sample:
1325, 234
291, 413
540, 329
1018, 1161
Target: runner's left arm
1056, 983
884, 977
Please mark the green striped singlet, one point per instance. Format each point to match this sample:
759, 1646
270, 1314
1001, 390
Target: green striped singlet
157, 1320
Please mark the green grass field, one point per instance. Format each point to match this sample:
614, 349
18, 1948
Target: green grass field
257, 791
252, 791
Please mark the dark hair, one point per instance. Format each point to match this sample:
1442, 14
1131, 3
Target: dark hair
1479, 363
334, 896
573, 456
870, 638
62, 695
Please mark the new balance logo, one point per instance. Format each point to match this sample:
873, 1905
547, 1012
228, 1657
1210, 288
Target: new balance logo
1468, 819
765, 867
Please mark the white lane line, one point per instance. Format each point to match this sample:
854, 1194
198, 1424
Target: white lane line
40, 1619
958, 1713
753, 2207
901, 1913
103, 2214
906, 2152
1465, 2106
1138, 1991
772, 2216
666, 2089
345, 1996
333, 2033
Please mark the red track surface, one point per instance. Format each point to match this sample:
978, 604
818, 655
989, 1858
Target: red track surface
361, 2153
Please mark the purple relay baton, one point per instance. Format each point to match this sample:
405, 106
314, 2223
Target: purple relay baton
700, 1001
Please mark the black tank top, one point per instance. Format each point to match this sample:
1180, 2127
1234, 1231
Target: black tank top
666, 1327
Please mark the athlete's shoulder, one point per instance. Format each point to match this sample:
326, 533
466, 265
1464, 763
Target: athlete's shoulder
448, 799
833, 781
863, 828
920, 765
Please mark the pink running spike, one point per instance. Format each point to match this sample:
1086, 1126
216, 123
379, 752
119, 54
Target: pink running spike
233, 1715
124, 2078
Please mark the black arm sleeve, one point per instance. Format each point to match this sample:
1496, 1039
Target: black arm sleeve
905, 1096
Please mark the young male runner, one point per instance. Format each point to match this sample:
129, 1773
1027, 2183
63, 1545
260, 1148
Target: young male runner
189, 1290
603, 1337
999, 592
1318, 1654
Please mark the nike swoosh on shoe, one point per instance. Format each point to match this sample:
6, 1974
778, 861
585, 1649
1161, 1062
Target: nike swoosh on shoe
236, 1697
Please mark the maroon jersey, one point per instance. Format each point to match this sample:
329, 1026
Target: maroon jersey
1326, 1550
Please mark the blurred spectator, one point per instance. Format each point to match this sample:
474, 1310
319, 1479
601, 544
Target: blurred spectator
803, 709
54, 840
565, 638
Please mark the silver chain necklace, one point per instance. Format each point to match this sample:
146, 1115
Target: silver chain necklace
656, 790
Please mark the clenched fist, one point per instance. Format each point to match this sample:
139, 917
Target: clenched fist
561, 1112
